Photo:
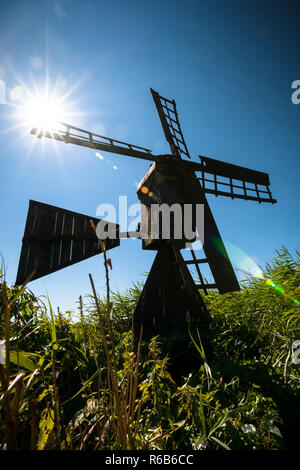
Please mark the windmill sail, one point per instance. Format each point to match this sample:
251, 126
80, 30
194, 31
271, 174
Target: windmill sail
55, 238
74, 135
237, 181
169, 120
173, 182
215, 252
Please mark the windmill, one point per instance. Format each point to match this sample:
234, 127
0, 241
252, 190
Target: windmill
170, 303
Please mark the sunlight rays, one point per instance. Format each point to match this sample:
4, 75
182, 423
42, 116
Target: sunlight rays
39, 106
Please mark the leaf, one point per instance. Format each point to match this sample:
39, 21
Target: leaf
180, 423
43, 394
83, 387
46, 425
202, 415
222, 444
21, 358
53, 328
22, 289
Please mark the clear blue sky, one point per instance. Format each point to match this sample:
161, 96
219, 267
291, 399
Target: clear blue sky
229, 66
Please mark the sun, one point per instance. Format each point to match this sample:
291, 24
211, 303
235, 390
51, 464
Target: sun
44, 112
44, 108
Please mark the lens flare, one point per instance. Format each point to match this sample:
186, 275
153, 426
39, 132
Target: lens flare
272, 284
99, 156
16, 93
241, 260
247, 265
144, 189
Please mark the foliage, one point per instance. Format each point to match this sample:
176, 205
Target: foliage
81, 382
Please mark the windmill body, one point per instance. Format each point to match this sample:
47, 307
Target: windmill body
170, 304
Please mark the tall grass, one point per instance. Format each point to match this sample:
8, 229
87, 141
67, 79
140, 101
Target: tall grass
80, 382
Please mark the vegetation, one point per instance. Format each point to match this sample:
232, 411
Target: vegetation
80, 382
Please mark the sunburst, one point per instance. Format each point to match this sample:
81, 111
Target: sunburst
41, 107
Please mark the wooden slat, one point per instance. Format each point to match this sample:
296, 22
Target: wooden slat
234, 171
55, 238
213, 246
173, 140
207, 286
198, 261
198, 271
239, 196
86, 142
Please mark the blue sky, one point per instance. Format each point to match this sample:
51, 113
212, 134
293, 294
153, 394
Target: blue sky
229, 66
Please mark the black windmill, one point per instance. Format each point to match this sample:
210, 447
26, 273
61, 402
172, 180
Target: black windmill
170, 303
